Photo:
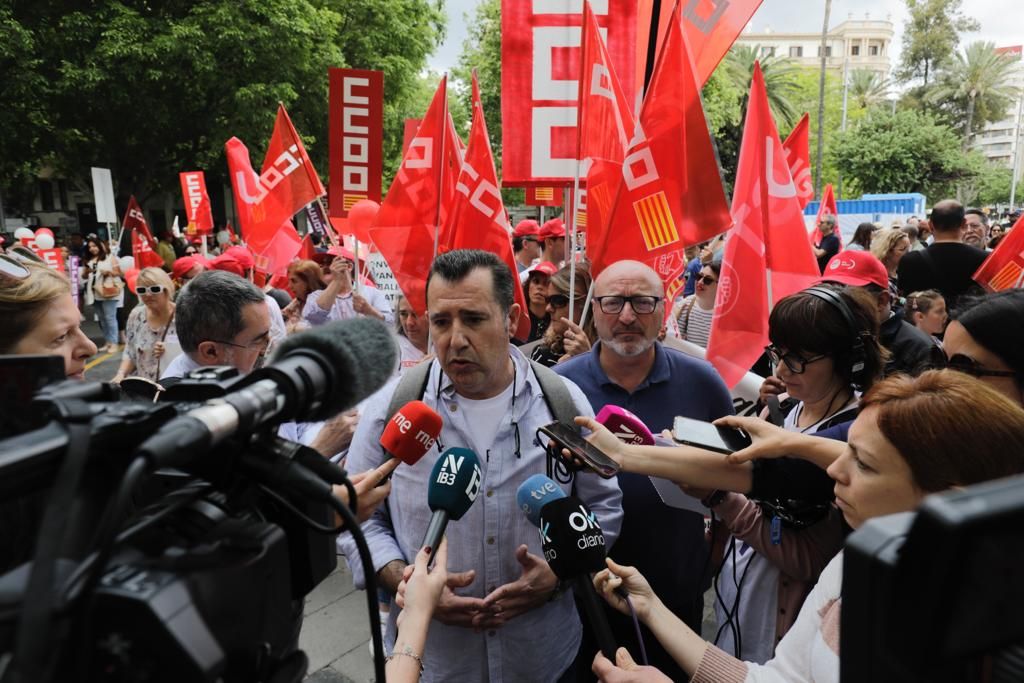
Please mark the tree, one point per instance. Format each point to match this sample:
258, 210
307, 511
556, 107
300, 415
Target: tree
931, 36
779, 80
993, 185
903, 152
979, 80
866, 89
151, 89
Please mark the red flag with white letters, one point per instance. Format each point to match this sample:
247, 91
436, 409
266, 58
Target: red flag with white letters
798, 156
143, 244
197, 203
671, 194
265, 220
404, 229
828, 206
1004, 268
766, 252
478, 219
604, 130
288, 172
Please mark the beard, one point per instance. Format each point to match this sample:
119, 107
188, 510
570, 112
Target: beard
629, 349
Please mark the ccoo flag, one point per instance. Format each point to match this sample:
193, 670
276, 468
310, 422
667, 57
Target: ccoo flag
767, 255
478, 219
798, 156
670, 194
143, 244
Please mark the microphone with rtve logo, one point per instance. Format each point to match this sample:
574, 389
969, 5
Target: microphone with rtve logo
411, 432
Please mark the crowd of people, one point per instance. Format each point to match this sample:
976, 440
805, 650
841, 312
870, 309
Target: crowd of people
893, 377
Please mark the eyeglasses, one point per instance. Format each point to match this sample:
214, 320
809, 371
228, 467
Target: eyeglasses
707, 280
642, 305
796, 363
969, 366
150, 289
259, 344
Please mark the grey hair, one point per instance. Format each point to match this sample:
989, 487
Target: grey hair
210, 308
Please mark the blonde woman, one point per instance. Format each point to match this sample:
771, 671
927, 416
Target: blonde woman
888, 246
152, 342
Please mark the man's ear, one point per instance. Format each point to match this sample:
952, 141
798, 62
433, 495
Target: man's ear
514, 312
208, 353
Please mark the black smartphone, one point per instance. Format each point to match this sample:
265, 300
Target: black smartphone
568, 438
709, 437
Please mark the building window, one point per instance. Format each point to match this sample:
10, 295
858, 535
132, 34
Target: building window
828, 50
767, 51
62, 190
855, 50
46, 195
873, 50
797, 51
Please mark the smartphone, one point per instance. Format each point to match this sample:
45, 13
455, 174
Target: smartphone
567, 437
709, 437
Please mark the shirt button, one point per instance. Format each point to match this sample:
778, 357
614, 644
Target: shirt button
490, 493
490, 540
454, 407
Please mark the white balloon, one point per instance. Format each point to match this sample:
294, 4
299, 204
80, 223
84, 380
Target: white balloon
44, 241
23, 234
126, 263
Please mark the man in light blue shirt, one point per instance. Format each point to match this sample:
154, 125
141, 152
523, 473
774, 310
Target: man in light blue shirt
501, 617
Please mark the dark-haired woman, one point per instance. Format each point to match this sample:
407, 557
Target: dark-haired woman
104, 289
862, 237
564, 339
986, 339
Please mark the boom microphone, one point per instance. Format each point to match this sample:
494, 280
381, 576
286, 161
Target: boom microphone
625, 425
535, 493
574, 547
411, 432
454, 485
314, 375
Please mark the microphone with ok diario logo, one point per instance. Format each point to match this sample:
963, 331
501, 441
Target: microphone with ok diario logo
574, 548
454, 485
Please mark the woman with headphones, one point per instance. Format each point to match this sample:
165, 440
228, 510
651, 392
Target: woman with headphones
824, 348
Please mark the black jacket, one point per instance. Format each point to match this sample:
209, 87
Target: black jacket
912, 350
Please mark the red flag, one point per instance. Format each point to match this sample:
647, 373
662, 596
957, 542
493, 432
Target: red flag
766, 248
827, 206
197, 203
264, 219
143, 244
405, 226
288, 172
671, 194
1004, 268
307, 250
798, 156
478, 219
604, 130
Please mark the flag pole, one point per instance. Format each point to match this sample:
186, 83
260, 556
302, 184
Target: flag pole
327, 228
355, 266
441, 170
572, 233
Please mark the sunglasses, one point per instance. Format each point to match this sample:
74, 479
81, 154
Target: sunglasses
12, 268
149, 289
969, 366
558, 300
707, 280
796, 363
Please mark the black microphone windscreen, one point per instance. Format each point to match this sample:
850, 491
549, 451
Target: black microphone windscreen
454, 482
572, 538
360, 352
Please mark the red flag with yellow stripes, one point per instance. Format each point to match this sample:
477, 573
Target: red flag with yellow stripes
1004, 268
670, 194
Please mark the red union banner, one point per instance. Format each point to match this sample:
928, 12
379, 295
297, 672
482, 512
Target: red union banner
197, 203
356, 132
540, 57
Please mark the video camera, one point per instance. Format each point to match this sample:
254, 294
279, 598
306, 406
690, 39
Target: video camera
176, 541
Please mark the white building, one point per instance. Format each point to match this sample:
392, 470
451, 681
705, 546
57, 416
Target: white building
1000, 141
862, 43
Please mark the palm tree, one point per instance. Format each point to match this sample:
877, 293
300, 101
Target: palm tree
867, 88
779, 81
980, 76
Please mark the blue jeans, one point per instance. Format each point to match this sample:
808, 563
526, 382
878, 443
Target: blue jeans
107, 313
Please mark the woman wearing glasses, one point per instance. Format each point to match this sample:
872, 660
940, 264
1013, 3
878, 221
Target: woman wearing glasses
152, 342
693, 314
564, 338
986, 339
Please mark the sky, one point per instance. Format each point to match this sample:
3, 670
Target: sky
1000, 21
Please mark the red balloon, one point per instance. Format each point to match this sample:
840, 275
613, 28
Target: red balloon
361, 217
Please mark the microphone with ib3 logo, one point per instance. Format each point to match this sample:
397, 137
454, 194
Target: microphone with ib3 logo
454, 484
573, 546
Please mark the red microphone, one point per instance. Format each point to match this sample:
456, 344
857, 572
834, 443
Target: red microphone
625, 425
411, 432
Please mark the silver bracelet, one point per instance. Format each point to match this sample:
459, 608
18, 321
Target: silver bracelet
407, 652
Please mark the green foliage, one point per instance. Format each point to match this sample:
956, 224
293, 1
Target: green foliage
905, 152
866, 89
151, 89
779, 80
978, 84
993, 185
931, 36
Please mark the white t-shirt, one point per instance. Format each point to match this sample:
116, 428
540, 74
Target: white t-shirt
487, 415
409, 355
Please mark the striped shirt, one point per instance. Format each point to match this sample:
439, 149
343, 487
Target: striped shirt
694, 322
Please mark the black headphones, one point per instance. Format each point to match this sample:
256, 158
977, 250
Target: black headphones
858, 354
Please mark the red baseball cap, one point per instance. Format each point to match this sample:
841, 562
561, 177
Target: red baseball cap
553, 229
526, 228
229, 264
242, 255
856, 268
546, 267
185, 264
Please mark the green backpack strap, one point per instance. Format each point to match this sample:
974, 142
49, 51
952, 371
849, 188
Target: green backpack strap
411, 387
556, 394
